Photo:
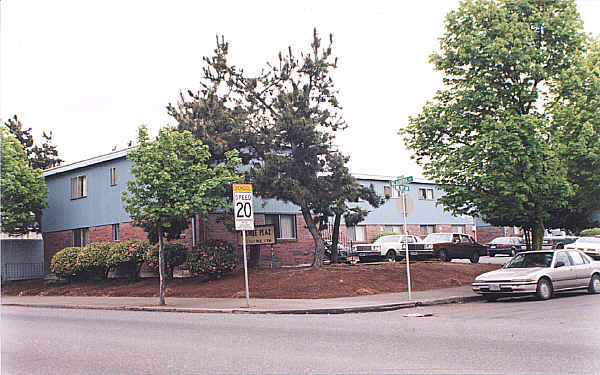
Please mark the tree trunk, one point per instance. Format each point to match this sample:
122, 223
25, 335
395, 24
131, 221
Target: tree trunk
335, 237
161, 267
538, 235
319, 243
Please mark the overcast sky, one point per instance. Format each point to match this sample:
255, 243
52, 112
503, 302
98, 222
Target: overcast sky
92, 71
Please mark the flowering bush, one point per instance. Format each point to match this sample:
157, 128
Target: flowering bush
128, 257
213, 257
92, 260
64, 263
128, 252
175, 255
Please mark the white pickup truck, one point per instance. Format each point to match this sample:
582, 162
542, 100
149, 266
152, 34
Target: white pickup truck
390, 247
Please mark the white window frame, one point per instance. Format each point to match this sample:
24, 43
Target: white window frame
353, 233
425, 194
112, 172
278, 225
459, 228
427, 227
78, 187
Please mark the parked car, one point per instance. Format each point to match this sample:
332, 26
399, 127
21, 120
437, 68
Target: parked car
589, 245
390, 247
505, 245
540, 273
448, 246
557, 242
342, 252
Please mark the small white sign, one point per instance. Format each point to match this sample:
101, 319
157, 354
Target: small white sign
243, 207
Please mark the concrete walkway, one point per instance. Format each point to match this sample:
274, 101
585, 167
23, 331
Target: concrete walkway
378, 302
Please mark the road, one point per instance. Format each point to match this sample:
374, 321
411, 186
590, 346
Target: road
561, 335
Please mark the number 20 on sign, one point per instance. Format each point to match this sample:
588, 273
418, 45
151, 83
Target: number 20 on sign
243, 207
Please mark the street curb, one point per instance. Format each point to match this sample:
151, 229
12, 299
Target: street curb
335, 310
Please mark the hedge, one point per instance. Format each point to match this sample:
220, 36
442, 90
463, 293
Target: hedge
64, 262
212, 258
590, 232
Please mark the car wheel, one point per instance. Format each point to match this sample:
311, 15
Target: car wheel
491, 297
560, 246
391, 256
474, 257
594, 287
544, 289
444, 257
491, 254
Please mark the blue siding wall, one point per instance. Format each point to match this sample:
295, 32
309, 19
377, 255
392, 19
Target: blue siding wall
102, 206
424, 211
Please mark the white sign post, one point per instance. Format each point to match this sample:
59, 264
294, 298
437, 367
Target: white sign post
243, 212
401, 184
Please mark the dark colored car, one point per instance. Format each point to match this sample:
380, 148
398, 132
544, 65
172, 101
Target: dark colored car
505, 245
448, 246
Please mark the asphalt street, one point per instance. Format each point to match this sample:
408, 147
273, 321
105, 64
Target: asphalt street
524, 336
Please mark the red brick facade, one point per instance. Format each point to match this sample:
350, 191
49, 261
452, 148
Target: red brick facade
286, 252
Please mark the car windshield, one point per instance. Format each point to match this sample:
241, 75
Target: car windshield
438, 237
501, 240
531, 260
387, 239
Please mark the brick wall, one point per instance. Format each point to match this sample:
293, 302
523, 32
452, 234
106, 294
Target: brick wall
488, 233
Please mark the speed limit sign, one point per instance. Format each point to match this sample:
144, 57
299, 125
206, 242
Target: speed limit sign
243, 208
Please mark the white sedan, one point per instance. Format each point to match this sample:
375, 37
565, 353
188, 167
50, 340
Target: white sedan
589, 245
540, 273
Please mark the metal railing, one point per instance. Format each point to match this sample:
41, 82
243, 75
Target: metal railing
22, 271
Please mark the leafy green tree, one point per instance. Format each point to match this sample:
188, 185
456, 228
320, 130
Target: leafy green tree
174, 181
485, 138
42, 157
23, 189
283, 120
576, 136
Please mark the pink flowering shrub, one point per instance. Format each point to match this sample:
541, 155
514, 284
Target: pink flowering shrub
128, 256
175, 255
64, 262
92, 259
212, 257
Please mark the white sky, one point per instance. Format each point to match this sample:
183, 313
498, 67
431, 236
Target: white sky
92, 71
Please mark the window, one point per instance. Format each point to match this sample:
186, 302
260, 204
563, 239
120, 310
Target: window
562, 257
387, 191
393, 229
285, 225
113, 176
576, 258
458, 228
194, 233
115, 230
81, 237
427, 229
356, 233
78, 187
425, 194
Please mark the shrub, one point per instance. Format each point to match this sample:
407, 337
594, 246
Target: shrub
590, 232
212, 257
383, 234
128, 256
64, 263
175, 255
92, 260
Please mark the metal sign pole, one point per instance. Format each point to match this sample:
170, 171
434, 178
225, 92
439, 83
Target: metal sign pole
406, 243
246, 268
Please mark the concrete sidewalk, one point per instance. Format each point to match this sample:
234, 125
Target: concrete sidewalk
378, 302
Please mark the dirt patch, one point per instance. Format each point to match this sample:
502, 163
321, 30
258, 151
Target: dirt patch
330, 281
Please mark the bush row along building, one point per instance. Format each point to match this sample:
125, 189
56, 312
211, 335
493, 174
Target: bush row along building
84, 205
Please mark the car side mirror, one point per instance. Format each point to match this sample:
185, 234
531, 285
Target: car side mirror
559, 264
